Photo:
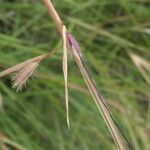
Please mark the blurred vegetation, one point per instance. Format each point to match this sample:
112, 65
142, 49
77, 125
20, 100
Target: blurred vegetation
108, 31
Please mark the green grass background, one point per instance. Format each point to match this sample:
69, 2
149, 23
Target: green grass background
107, 30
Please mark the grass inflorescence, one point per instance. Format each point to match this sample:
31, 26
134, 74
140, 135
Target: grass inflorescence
109, 31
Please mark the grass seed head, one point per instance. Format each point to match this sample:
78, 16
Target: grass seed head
24, 74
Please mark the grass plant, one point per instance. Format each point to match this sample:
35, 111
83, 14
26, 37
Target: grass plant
35, 118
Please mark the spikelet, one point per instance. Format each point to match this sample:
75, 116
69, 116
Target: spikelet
23, 75
71, 42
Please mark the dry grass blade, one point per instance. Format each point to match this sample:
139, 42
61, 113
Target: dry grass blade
65, 71
142, 65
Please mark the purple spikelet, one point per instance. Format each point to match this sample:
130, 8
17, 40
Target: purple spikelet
72, 43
